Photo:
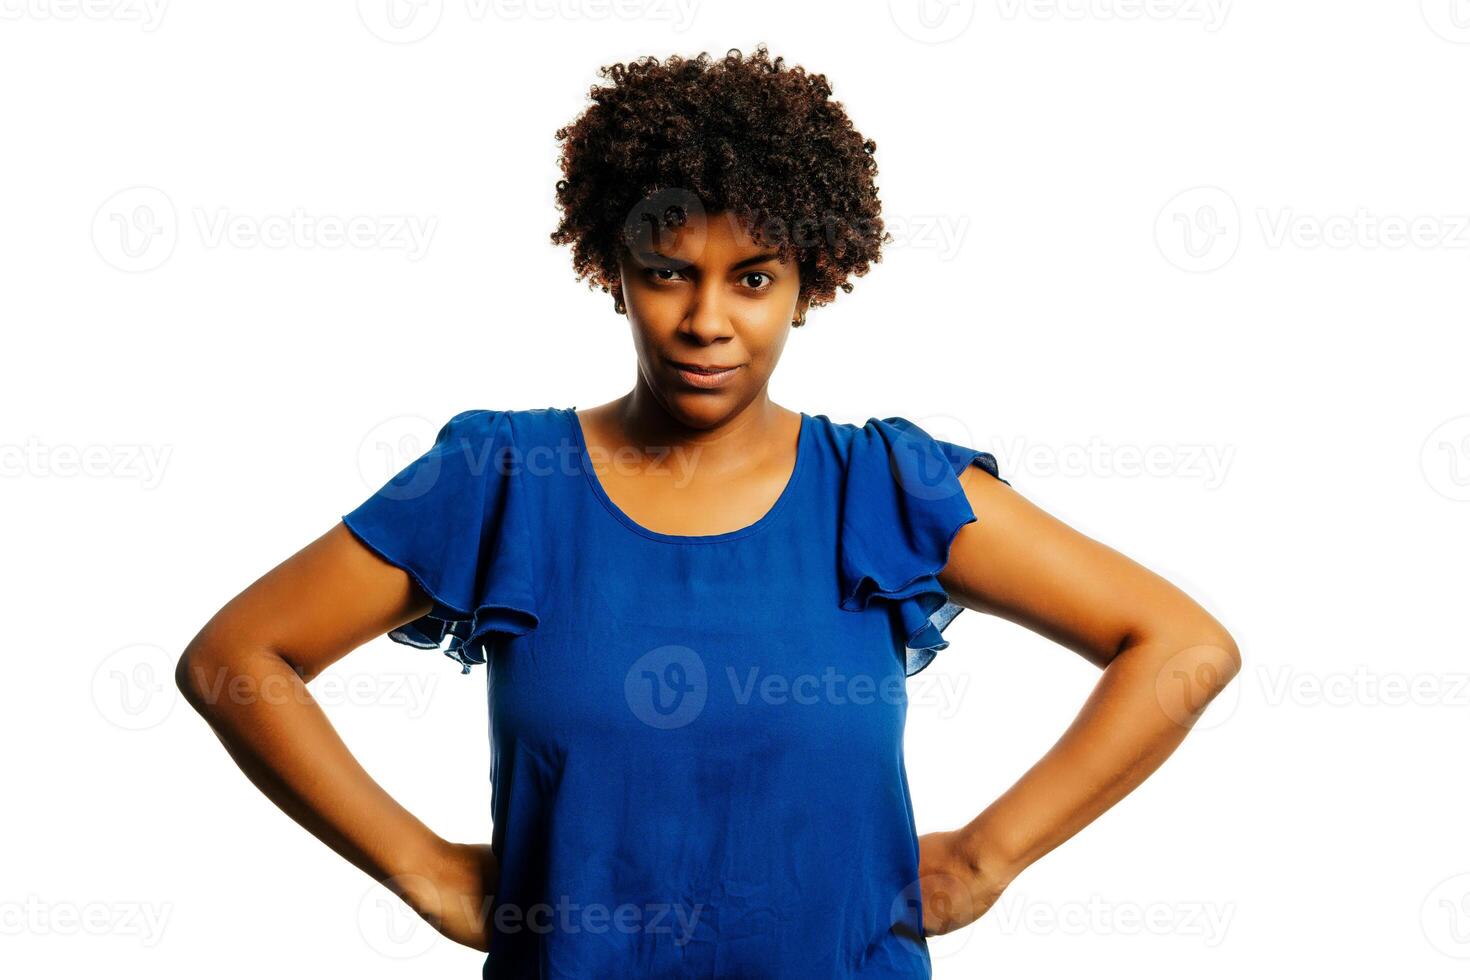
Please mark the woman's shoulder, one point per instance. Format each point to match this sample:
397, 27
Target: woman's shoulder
484, 417
507, 426
900, 504
461, 521
899, 443
877, 427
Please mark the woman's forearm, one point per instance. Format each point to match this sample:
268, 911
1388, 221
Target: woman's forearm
1142, 707
281, 738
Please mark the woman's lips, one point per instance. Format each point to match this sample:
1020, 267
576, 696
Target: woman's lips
699, 378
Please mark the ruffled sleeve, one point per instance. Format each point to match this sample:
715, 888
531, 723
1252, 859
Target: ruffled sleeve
455, 519
902, 505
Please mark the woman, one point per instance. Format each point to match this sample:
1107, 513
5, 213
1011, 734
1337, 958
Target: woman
696, 651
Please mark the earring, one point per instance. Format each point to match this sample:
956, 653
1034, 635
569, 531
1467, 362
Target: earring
799, 321
618, 307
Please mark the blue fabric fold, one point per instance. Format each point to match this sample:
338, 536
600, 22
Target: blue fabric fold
902, 505
456, 519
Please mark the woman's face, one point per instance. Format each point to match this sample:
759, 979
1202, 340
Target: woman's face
706, 295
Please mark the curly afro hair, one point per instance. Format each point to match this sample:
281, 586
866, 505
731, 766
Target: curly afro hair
746, 137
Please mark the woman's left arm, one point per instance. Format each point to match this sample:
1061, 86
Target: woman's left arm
1163, 659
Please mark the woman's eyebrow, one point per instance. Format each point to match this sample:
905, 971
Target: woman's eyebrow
649, 258
756, 259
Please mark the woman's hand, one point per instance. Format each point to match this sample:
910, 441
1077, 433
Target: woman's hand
956, 884
454, 892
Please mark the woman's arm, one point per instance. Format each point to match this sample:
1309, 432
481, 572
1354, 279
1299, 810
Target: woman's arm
1164, 658
247, 672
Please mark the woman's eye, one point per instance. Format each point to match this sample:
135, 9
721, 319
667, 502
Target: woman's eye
764, 279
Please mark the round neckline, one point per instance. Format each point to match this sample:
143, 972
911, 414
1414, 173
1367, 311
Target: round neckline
787, 492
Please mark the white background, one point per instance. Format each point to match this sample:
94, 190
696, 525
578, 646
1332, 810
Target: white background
1225, 239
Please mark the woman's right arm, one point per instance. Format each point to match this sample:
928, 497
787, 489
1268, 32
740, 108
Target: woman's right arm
247, 672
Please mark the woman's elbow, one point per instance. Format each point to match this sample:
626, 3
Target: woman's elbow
1200, 650
213, 676
1226, 660
193, 675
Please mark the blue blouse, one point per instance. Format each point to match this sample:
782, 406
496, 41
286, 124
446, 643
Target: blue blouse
696, 741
